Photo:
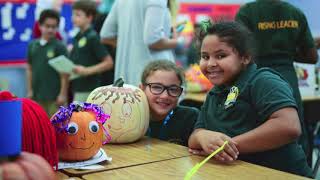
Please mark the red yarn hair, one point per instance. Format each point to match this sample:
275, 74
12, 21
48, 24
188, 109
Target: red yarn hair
38, 135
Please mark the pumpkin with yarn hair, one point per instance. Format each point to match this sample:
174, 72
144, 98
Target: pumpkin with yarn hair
79, 131
128, 107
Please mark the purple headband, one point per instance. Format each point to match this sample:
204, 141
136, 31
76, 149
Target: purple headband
61, 119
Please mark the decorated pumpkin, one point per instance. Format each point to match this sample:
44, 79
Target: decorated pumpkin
129, 110
79, 131
27, 166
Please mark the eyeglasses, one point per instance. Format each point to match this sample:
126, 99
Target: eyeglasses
157, 89
50, 26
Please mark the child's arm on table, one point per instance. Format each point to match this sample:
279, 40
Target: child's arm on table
281, 128
204, 142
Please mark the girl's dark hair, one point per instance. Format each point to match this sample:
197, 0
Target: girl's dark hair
162, 65
230, 32
89, 7
49, 13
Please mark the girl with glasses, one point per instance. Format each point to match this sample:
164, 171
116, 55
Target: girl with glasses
161, 81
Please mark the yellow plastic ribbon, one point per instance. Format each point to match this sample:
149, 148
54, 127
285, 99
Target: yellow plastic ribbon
198, 165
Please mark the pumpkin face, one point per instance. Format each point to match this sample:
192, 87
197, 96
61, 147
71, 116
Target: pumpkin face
82, 138
129, 110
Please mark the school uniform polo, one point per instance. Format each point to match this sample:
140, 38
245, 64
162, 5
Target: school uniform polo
178, 128
279, 29
87, 51
278, 26
45, 80
261, 92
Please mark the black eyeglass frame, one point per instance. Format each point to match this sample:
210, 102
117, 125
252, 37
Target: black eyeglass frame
167, 88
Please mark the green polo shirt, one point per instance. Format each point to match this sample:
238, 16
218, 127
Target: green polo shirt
87, 51
278, 27
45, 80
261, 93
178, 127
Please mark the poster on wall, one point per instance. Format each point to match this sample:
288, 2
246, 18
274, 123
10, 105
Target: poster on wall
197, 12
17, 18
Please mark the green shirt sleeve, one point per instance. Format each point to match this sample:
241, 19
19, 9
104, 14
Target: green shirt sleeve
190, 122
200, 123
61, 50
270, 93
98, 49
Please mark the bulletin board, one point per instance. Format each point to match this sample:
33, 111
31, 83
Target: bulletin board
16, 22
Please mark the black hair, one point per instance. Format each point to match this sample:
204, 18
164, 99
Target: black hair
89, 7
49, 13
233, 33
162, 65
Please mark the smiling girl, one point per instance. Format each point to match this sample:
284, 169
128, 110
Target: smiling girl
253, 109
161, 81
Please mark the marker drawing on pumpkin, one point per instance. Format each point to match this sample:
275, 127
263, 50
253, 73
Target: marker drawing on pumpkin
129, 111
128, 93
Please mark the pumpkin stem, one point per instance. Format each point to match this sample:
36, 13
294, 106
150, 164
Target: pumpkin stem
78, 108
118, 83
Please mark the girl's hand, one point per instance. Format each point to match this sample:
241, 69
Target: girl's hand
211, 141
199, 152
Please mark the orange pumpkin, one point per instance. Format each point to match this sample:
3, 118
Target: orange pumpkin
128, 108
82, 136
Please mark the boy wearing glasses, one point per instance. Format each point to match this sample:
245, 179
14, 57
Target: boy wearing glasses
44, 84
161, 81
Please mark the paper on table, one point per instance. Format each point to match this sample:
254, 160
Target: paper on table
99, 157
63, 65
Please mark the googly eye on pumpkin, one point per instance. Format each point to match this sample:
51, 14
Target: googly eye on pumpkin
72, 128
93, 126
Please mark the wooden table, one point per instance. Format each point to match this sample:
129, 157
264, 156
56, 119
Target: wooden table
60, 175
177, 168
310, 98
144, 151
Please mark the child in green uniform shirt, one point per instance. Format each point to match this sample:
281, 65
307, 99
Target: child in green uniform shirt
45, 85
282, 36
253, 109
89, 55
161, 81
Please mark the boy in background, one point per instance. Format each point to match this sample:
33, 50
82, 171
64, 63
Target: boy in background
89, 55
45, 85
